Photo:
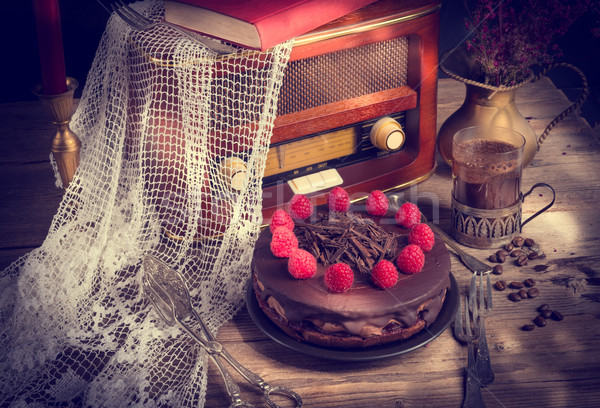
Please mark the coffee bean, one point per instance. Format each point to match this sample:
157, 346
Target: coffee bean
529, 282
523, 294
516, 285
518, 241
516, 253
515, 297
500, 285
532, 255
529, 242
502, 252
539, 321
509, 247
493, 258
533, 293
556, 315
521, 261
543, 306
528, 327
546, 314
498, 270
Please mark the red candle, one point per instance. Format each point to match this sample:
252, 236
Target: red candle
52, 58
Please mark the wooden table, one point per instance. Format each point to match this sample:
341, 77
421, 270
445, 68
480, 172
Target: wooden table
553, 366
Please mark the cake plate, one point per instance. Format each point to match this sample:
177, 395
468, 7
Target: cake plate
445, 317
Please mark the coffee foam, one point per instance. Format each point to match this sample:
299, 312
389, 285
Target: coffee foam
473, 163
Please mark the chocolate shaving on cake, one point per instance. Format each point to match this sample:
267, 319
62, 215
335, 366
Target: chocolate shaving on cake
348, 238
389, 246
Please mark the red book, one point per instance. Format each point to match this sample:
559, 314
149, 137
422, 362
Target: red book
258, 24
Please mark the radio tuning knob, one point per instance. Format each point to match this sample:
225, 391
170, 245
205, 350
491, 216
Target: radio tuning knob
387, 134
233, 170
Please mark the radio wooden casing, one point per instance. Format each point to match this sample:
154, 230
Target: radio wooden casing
378, 61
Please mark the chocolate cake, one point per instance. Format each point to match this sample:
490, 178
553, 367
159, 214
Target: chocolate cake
364, 315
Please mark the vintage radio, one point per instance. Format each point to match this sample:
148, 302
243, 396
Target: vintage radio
358, 105
357, 108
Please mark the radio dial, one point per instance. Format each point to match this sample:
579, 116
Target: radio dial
387, 134
233, 169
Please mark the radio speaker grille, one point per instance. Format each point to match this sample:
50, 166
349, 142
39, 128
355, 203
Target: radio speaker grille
344, 74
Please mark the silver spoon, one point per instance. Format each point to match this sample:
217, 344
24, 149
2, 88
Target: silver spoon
474, 264
167, 291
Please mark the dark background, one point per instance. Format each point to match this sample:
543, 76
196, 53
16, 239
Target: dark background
83, 22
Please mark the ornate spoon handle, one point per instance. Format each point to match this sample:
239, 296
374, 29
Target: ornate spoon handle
470, 262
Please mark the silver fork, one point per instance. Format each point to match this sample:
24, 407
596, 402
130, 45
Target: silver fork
142, 23
481, 303
464, 333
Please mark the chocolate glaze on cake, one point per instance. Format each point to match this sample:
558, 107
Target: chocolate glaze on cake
362, 316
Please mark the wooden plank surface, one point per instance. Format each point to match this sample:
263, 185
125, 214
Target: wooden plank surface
30, 197
554, 366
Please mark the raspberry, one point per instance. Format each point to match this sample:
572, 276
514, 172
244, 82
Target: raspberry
302, 264
377, 203
300, 207
338, 200
411, 259
408, 215
339, 277
384, 274
283, 242
422, 235
281, 219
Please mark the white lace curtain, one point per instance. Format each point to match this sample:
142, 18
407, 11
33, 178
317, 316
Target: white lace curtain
158, 117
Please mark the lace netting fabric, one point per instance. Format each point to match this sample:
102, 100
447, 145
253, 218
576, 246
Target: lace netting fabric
165, 123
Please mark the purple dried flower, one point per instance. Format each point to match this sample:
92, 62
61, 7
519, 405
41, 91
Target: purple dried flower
509, 37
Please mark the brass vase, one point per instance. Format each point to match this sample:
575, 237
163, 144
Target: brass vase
487, 105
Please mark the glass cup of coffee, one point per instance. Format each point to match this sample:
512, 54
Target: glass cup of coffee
487, 168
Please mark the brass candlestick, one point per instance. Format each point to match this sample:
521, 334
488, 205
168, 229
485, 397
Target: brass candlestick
65, 144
